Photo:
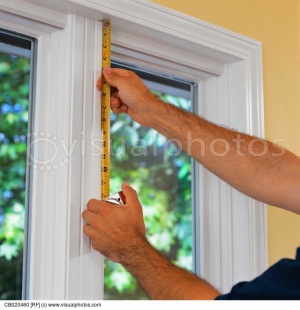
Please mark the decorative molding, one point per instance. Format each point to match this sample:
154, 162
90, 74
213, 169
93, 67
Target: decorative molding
34, 12
228, 218
24, 26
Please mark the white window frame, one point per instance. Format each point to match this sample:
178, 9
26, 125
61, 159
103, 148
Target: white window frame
228, 69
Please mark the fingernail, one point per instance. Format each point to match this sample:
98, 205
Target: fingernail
108, 70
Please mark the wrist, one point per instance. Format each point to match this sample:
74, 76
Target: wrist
156, 111
132, 255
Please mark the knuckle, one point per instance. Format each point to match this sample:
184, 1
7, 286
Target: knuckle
86, 229
94, 245
94, 221
92, 202
85, 214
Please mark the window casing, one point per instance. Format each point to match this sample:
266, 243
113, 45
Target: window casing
228, 70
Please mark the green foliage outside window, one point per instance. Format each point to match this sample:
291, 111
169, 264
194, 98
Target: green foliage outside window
161, 174
14, 94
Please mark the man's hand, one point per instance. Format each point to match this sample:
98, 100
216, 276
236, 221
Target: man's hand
129, 94
114, 230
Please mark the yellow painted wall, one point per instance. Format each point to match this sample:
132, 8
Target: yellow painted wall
276, 23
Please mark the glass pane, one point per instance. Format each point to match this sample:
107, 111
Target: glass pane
14, 101
161, 174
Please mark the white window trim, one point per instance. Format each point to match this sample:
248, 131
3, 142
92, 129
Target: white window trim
228, 70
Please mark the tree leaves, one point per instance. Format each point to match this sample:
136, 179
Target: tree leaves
161, 174
14, 97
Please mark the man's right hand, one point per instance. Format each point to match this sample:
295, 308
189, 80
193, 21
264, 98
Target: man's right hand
129, 94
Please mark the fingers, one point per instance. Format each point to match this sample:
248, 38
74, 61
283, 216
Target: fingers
88, 230
112, 76
122, 109
99, 82
93, 205
92, 210
88, 216
117, 106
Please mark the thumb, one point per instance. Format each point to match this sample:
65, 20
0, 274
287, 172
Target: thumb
111, 76
135, 206
129, 193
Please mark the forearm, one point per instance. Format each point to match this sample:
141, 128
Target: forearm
255, 167
272, 173
163, 280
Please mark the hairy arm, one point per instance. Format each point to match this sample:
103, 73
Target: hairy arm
256, 167
163, 280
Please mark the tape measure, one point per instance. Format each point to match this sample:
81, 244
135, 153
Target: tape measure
105, 113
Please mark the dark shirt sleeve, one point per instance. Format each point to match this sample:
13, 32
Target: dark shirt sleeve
280, 282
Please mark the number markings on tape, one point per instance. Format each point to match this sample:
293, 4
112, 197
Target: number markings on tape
105, 112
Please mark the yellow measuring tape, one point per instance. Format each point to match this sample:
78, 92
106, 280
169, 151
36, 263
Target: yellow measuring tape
105, 112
